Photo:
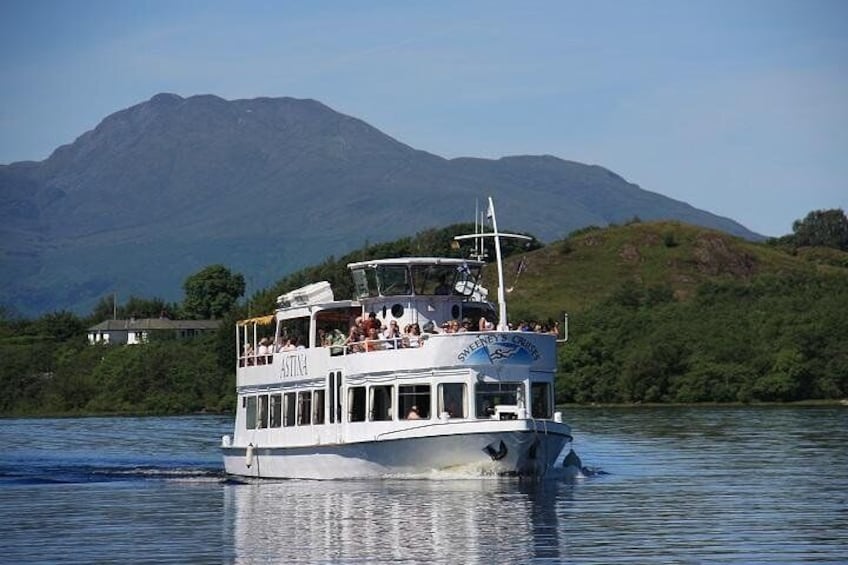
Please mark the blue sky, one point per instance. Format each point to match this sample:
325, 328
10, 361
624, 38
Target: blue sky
737, 107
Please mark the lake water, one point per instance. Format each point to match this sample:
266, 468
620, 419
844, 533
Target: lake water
679, 485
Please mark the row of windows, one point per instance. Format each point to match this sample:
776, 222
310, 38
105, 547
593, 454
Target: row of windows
379, 403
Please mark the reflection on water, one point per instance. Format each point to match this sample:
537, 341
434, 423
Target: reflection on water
469, 521
684, 485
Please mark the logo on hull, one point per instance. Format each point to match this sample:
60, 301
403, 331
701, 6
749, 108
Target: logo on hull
497, 348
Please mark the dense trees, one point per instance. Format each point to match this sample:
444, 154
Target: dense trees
825, 228
819, 228
777, 338
211, 292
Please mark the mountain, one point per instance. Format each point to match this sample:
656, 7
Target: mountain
159, 190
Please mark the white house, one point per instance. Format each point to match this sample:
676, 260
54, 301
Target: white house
134, 331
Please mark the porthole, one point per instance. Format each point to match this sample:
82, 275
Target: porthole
455, 311
397, 310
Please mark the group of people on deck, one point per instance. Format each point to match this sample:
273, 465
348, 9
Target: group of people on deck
368, 333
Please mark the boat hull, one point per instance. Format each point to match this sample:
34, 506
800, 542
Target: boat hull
516, 452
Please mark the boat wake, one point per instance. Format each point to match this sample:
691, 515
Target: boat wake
71, 473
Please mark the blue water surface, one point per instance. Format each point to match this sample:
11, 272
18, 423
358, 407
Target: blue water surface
680, 485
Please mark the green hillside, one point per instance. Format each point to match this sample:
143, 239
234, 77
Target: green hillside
573, 274
658, 312
666, 312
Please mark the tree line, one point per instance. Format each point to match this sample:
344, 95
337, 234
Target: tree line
773, 338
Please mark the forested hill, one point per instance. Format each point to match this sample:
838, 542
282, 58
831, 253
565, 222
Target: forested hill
266, 186
658, 312
667, 312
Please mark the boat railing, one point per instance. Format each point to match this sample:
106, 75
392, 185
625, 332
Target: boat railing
367, 346
252, 359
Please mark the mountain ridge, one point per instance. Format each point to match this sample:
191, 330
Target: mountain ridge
266, 185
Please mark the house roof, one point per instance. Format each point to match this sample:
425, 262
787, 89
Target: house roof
140, 324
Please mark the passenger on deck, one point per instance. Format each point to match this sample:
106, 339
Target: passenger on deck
248, 353
413, 337
354, 337
485, 325
392, 335
372, 342
371, 322
264, 350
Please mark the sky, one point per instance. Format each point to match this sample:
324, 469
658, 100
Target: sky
737, 107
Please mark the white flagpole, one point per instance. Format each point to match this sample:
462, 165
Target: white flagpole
502, 323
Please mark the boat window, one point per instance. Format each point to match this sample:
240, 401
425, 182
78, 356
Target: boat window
414, 395
490, 395
433, 279
452, 399
474, 312
381, 402
365, 282
445, 279
289, 405
291, 334
304, 407
356, 404
250, 412
331, 386
262, 418
332, 327
276, 410
318, 406
540, 400
394, 280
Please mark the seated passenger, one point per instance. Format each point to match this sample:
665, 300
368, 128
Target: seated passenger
413, 414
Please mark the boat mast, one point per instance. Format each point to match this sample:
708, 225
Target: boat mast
503, 324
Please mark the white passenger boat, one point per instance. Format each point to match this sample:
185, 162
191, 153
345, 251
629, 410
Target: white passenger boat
315, 404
